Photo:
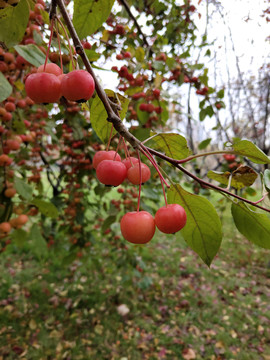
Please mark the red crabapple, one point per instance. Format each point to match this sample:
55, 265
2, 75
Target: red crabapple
130, 161
133, 173
78, 85
138, 227
105, 155
111, 173
170, 219
43, 87
50, 68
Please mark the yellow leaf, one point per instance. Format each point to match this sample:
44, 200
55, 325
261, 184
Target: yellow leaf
98, 329
260, 329
55, 334
59, 347
219, 345
32, 324
139, 54
19, 85
158, 80
105, 35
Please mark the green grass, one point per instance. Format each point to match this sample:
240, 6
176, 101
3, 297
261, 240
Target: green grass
177, 306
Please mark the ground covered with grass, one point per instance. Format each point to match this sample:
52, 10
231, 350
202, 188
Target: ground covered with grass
134, 303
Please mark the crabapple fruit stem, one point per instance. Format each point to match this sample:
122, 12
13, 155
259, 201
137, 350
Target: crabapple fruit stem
49, 45
140, 185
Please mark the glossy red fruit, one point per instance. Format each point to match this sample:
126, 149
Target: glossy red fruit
156, 93
111, 173
133, 174
170, 219
78, 85
130, 161
138, 227
50, 68
127, 55
87, 45
43, 88
229, 157
143, 107
105, 155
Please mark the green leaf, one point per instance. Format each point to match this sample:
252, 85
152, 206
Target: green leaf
141, 133
23, 189
254, 226
242, 177
248, 149
209, 111
13, 22
220, 94
158, 65
140, 54
99, 115
46, 208
19, 237
202, 231
204, 143
89, 15
92, 55
266, 179
18, 126
173, 145
31, 53
5, 88
38, 242
202, 114
67, 260
108, 222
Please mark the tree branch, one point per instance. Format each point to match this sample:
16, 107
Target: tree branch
112, 116
127, 8
115, 119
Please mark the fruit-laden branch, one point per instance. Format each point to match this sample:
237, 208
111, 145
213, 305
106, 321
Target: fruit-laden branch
202, 182
112, 111
112, 116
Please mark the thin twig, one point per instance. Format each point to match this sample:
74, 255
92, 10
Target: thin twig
127, 8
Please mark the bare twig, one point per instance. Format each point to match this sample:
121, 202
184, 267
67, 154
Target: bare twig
127, 8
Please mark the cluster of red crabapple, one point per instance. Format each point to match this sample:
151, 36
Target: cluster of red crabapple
48, 85
137, 227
